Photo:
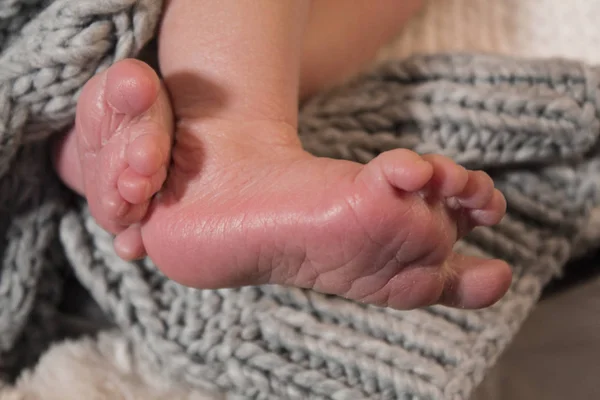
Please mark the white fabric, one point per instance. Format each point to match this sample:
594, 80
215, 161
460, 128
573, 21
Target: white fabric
525, 28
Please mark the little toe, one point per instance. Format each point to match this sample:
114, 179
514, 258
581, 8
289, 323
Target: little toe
138, 189
402, 169
449, 179
475, 282
128, 244
492, 213
478, 191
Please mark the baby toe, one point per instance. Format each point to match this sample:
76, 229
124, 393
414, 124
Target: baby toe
492, 213
138, 189
132, 87
475, 282
133, 187
449, 179
402, 169
149, 151
478, 191
129, 245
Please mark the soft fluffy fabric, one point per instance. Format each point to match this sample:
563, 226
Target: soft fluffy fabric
102, 369
533, 124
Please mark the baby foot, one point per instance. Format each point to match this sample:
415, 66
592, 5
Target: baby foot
245, 205
258, 209
123, 142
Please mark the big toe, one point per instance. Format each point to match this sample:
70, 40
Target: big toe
475, 282
124, 130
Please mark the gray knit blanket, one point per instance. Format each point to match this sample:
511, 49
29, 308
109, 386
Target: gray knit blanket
533, 125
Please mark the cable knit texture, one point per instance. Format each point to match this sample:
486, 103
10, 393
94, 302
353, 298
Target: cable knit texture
533, 124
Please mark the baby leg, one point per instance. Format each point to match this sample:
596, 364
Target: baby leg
344, 36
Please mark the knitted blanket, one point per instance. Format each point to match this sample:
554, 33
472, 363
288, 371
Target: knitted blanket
533, 125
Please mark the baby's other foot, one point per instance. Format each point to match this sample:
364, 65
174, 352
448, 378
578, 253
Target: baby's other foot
258, 209
123, 135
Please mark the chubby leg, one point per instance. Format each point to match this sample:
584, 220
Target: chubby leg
343, 36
